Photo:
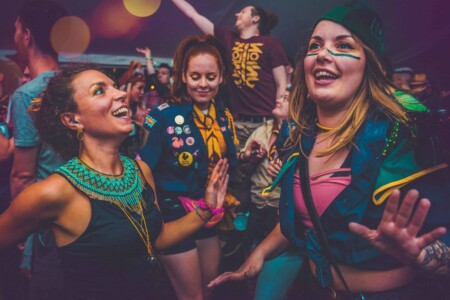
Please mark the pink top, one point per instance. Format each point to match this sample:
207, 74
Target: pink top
323, 191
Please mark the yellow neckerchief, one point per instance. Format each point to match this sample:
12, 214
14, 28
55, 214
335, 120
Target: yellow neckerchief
212, 135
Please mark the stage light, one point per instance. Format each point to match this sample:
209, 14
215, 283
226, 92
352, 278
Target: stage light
70, 36
142, 8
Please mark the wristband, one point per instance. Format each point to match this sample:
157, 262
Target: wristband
200, 216
148, 58
214, 211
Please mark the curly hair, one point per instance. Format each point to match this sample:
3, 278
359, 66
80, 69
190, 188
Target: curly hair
191, 47
56, 100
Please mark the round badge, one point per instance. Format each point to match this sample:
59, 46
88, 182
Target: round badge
179, 119
186, 129
178, 130
190, 141
170, 130
185, 159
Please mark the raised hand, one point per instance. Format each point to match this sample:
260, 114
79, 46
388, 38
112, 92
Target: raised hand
397, 232
249, 269
217, 185
146, 51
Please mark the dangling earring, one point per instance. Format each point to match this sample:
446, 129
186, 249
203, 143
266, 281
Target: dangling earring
80, 136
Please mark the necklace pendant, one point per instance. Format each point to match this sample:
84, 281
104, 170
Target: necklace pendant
152, 261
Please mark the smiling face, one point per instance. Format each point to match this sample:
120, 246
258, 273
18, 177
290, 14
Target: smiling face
334, 66
102, 108
202, 78
244, 18
137, 91
281, 110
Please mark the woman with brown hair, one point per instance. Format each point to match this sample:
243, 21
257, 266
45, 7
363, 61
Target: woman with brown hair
100, 205
187, 137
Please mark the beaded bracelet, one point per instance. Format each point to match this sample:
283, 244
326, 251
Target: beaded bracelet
200, 216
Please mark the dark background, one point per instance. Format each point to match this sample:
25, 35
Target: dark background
417, 32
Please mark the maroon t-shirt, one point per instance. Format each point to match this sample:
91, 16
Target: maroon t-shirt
252, 84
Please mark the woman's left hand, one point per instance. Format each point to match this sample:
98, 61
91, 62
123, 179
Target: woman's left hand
397, 233
217, 186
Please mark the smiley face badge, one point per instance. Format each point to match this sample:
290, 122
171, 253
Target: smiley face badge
185, 159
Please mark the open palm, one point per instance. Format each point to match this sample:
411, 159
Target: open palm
397, 233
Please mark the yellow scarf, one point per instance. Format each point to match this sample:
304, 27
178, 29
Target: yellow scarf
206, 123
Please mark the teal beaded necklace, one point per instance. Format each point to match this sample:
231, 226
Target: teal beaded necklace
123, 189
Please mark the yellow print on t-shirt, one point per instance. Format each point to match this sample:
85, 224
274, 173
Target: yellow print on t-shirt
245, 58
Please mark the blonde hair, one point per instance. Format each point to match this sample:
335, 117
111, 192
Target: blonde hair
375, 92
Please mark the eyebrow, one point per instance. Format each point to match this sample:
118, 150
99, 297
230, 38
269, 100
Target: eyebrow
100, 83
339, 37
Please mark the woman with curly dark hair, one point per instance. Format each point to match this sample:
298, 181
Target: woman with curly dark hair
101, 205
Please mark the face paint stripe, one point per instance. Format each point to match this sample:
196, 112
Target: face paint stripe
343, 54
336, 54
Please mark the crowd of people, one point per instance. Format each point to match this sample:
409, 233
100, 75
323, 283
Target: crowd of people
105, 181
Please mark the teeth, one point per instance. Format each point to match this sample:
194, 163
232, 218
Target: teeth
121, 112
324, 74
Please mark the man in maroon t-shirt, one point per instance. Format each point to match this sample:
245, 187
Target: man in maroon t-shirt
258, 61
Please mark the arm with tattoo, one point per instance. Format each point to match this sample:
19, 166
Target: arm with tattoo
397, 234
435, 258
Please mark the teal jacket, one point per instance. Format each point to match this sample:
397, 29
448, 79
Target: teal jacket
383, 158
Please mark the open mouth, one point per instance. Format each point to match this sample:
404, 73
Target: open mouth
121, 112
324, 75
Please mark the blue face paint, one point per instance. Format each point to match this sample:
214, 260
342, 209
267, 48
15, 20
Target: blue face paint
337, 54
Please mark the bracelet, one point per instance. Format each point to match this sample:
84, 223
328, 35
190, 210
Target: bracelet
200, 216
214, 211
148, 58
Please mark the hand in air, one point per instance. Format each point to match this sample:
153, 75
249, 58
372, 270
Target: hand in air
397, 232
217, 185
249, 269
145, 51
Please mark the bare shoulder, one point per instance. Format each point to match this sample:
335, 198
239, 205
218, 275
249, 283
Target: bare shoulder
52, 191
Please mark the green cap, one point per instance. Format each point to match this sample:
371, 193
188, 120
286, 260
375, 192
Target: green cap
357, 17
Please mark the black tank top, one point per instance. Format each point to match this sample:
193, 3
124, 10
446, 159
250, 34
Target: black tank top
108, 261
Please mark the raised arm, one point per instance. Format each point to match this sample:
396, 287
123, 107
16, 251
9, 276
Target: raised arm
205, 25
279, 74
148, 60
397, 235
174, 232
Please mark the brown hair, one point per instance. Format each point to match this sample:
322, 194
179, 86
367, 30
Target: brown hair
58, 99
188, 48
267, 20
